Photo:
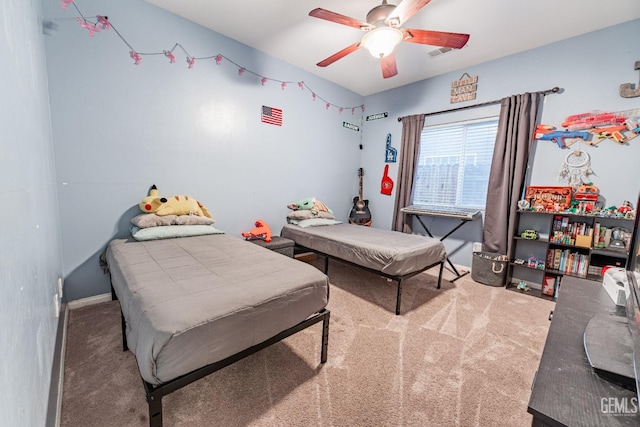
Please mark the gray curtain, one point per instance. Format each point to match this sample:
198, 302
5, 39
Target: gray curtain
409, 150
516, 125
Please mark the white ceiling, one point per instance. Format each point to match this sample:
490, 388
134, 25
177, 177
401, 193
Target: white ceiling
284, 29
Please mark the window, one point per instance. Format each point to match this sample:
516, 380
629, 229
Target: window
454, 163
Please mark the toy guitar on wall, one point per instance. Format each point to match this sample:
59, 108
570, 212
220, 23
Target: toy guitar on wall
360, 213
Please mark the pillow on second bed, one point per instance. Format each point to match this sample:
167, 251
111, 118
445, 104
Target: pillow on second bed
314, 222
172, 231
306, 214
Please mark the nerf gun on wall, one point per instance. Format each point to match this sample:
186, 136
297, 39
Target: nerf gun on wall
613, 132
548, 133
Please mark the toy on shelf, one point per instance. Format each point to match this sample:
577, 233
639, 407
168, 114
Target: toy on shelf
586, 198
548, 199
176, 205
261, 231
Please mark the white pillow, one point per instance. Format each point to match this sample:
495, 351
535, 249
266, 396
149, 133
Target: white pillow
172, 231
307, 214
317, 222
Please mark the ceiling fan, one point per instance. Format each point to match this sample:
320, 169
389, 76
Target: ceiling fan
383, 33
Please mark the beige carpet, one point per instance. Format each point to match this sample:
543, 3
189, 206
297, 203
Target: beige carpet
464, 355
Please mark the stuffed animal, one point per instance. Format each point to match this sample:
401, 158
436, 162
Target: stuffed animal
260, 231
176, 205
311, 204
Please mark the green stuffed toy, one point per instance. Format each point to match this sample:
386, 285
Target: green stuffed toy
310, 204
176, 205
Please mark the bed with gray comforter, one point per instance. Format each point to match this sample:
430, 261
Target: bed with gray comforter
390, 253
192, 301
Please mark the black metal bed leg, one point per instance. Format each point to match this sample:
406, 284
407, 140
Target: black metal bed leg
326, 264
399, 296
440, 275
154, 399
325, 337
125, 347
114, 297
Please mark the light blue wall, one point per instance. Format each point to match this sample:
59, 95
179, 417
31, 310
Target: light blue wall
119, 128
30, 252
589, 68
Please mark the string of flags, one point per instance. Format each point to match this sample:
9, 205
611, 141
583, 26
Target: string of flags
98, 23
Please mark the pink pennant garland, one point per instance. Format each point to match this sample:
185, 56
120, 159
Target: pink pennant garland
104, 21
170, 55
92, 28
136, 58
104, 24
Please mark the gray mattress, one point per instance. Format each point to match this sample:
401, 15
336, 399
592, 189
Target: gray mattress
192, 301
389, 252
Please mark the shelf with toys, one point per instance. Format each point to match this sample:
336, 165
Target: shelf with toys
564, 238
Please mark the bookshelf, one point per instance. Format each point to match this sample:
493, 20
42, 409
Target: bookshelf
567, 244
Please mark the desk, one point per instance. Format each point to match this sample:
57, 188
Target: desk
566, 391
464, 215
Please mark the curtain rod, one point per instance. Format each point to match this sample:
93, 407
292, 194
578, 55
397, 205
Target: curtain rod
484, 104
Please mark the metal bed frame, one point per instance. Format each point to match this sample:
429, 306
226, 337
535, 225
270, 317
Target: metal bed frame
398, 279
155, 393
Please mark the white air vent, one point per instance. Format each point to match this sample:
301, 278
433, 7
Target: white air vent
440, 51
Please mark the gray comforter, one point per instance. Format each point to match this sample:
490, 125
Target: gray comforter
390, 252
192, 301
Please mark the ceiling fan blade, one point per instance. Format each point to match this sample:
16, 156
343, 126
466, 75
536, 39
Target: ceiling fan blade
404, 11
339, 19
339, 55
388, 64
435, 38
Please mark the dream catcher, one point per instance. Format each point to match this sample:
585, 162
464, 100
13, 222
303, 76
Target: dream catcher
576, 168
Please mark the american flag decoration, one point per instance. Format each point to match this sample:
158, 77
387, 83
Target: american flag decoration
272, 116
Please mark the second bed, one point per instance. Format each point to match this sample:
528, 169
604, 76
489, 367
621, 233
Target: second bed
391, 254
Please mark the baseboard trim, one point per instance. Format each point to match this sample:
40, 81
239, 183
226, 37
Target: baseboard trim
54, 406
96, 299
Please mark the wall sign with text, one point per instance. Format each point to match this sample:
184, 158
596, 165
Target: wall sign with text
464, 89
377, 116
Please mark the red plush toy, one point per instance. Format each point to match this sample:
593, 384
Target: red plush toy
261, 231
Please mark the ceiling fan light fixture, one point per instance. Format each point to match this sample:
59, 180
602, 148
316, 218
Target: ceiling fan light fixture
381, 41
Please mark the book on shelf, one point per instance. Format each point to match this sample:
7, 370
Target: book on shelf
568, 262
549, 285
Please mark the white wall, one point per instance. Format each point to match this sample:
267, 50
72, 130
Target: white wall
589, 69
30, 249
